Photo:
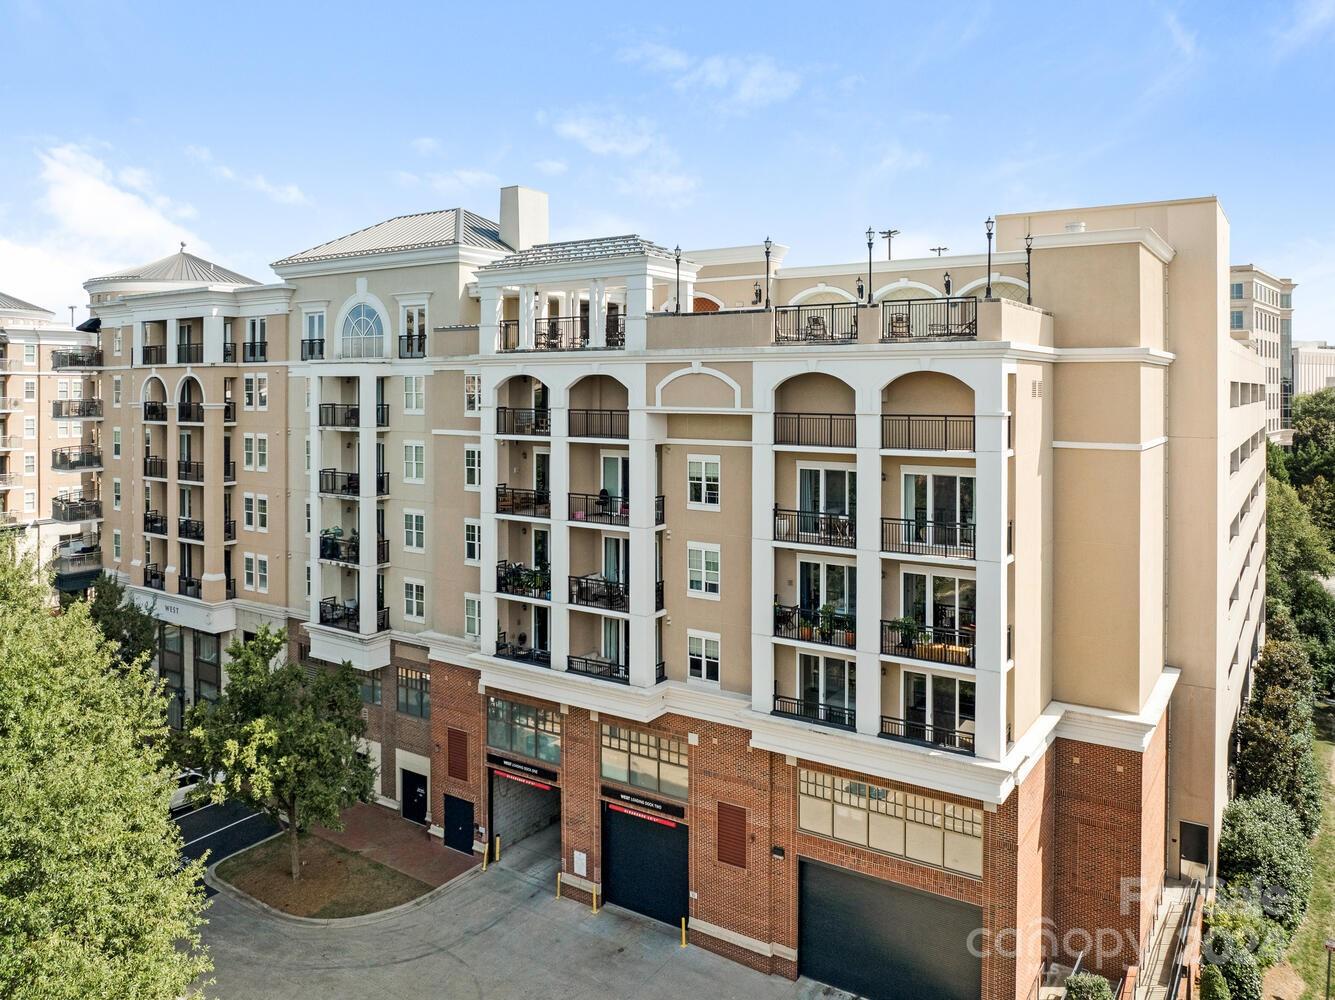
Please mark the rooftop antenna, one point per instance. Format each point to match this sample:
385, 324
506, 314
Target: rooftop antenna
940, 250
889, 236
72, 315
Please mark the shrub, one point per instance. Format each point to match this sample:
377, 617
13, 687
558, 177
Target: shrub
1213, 986
1283, 663
1261, 847
1236, 922
1275, 754
1243, 976
1088, 986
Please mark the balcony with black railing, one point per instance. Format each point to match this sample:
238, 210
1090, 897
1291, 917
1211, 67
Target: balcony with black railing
923, 733
190, 529
229, 353
658, 595
827, 323
332, 482
229, 411
189, 586
188, 353
921, 537
595, 591
816, 430
599, 508
229, 530
604, 424
75, 507
521, 653
253, 351
824, 625
76, 570
346, 615
190, 413
229, 588
930, 643
153, 577
77, 458
155, 467
189, 472
155, 523
600, 667
153, 354
229, 471
523, 421
347, 416
813, 527
522, 502
839, 716
155, 411
908, 320
76, 409
564, 333
78, 357
312, 349
922, 432
524, 581
412, 345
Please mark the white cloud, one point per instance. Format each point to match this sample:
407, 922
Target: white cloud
551, 167
663, 187
90, 220
652, 55
896, 159
737, 83
610, 134
461, 180
1183, 40
284, 194
425, 145
654, 174
1310, 19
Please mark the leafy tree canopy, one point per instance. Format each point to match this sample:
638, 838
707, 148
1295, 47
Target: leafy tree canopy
122, 621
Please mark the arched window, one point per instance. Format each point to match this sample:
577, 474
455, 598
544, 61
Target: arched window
363, 333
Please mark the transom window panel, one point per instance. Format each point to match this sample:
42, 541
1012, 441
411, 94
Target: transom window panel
702, 480
523, 729
363, 333
656, 763
916, 827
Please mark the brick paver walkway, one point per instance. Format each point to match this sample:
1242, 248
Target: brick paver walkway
384, 836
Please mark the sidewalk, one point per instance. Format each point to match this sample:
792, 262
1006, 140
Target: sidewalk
384, 836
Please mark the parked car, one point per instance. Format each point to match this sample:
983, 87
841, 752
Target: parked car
185, 784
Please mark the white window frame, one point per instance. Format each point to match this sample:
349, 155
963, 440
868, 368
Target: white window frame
704, 639
703, 460
261, 574
30, 463
261, 452
414, 394
116, 544
414, 530
703, 593
117, 342
248, 452
115, 442
30, 354
313, 324
413, 304
30, 427
29, 501
115, 390
262, 512
472, 392
248, 571
248, 511
414, 468
473, 612
116, 494
30, 390
414, 606
474, 468
471, 524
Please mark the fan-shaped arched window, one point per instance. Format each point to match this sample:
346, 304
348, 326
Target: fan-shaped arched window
363, 333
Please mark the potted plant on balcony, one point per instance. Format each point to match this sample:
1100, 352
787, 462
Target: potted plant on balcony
826, 622
908, 629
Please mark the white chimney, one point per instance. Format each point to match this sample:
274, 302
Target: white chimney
1075, 227
523, 216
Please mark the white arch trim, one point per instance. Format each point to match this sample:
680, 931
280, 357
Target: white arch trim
360, 297
180, 384
894, 286
822, 289
698, 369
997, 279
143, 388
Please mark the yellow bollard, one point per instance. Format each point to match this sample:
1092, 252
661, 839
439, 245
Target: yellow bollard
486, 850
683, 932
595, 899
558, 885
498, 847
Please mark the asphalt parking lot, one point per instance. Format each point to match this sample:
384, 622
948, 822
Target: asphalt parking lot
221, 831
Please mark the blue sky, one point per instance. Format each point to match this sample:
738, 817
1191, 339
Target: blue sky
252, 131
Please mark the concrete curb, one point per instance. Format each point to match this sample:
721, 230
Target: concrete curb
225, 888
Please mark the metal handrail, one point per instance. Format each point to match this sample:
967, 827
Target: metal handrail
827, 323
815, 527
929, 319
923, 432
815, 711
820, 430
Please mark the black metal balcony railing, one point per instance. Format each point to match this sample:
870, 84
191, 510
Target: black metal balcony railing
815, 711
190, 413
525, 421
660, 509
596, 666
348, 415
564, 333
813, 527
599, 424
382, 484
255, 350
348, 484
155, 411
312, 349
524, 581
339, 615
523, 654
79, 357
920, 537
509, 331
76, 570
229, 353
229, 411
819, 430
75, 459
929, 319
153, 578
828, 323
155, 467
599, 508
189, 354
229, 471
189, 586
595, 591
154, 523
382, 619
153, 354
338, 549
912, 432
75, 507
229, 530
658, 596
930, 643
73, 409
528, 503
190, 529
190, 472
412, 345
925, 734
827, 627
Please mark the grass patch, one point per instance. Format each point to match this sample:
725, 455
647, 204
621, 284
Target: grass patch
1307, 952
334, 882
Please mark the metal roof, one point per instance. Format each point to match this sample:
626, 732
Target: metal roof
181, 266
577, 251
18, 305
449, 227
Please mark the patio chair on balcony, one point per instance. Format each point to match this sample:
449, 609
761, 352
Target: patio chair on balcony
816, 329
899, 325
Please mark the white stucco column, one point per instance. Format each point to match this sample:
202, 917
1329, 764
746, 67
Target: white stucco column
687, 295
598, 313
639, 303
213, 338
313, 494
762, 545
990, 403
491, 477
645, 430
489, 322
172, 328
526, 317
868, 422
558, 472
137, 342
366, 505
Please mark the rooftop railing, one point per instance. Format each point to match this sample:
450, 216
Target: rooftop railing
929, 319
828, 323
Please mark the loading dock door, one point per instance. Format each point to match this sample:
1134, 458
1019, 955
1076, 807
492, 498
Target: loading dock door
884, 941
645, 866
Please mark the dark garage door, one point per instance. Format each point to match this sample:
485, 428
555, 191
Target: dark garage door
644, 863
884, 941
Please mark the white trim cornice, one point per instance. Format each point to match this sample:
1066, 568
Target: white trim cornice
1112, 445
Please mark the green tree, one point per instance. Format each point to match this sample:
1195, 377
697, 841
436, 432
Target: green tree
1275, 755
1262, 851
1277, 461
1295, 547
1213, 986
1283, 662
1313, 451
122, 621
94, 901
1088, 986
1318, 497
283, 741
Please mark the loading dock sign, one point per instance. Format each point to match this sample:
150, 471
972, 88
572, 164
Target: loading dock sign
640, 802
644, 816
523, 781
521, 767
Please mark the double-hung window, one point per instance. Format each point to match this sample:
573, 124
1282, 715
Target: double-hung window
414, 462
472, 467
472, 541
703, 574
702, 482
472, 393
414, 531
414, 394
702, 656
414, 600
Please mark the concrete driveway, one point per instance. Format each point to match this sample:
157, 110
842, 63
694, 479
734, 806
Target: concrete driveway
489, 935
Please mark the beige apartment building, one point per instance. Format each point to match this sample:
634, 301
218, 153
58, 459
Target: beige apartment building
586, 518
1261, 316
48, 441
